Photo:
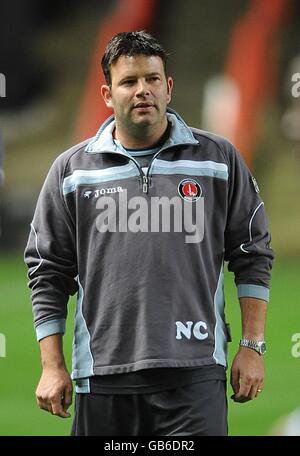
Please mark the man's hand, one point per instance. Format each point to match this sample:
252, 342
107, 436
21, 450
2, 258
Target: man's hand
54, 391
247, 375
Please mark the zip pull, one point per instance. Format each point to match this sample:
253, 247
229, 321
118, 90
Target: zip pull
145, 184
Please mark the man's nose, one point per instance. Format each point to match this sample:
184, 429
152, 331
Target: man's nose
142, 88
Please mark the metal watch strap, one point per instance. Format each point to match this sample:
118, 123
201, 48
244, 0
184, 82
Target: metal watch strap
258, 345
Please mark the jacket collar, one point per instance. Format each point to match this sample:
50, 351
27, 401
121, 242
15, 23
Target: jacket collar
103, 141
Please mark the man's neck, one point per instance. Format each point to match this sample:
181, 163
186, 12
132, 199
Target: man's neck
143, 140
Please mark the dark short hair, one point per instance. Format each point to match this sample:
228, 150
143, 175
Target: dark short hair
131, 44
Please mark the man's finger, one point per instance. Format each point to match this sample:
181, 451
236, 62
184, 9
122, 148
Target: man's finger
253, 392
240, 399
66, 399
245, 388
57, 407
258, 391
234, 380
46, 406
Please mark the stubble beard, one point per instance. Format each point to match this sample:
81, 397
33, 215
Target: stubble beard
143, 128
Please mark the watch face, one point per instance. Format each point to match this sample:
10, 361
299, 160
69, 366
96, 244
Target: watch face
263, 348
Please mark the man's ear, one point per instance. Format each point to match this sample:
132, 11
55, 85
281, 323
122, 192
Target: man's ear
170, 84
106, 95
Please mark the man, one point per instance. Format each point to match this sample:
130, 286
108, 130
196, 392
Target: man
115, 222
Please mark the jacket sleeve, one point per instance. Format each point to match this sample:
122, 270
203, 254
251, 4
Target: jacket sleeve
51, 258
247, 240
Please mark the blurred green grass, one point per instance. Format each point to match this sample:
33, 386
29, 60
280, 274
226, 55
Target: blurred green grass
20, 369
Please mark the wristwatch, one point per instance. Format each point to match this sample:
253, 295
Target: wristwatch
257, 345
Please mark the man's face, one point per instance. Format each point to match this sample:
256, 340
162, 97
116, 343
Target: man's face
139, 93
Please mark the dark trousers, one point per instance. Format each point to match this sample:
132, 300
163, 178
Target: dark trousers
197, 409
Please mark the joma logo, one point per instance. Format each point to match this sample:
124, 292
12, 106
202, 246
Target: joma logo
185, 329
102, 191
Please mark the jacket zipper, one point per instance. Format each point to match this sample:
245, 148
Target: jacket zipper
146, 178
145, 183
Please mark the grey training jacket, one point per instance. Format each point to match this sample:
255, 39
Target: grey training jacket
145, 252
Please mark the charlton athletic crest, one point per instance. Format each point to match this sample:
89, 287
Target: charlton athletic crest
189, 189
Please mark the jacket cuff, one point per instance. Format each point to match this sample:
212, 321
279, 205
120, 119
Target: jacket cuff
253, 291
50, 327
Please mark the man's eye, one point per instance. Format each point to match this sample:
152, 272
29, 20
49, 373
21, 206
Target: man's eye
128, 82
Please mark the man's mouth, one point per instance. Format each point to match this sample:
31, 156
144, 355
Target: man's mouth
143, 105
